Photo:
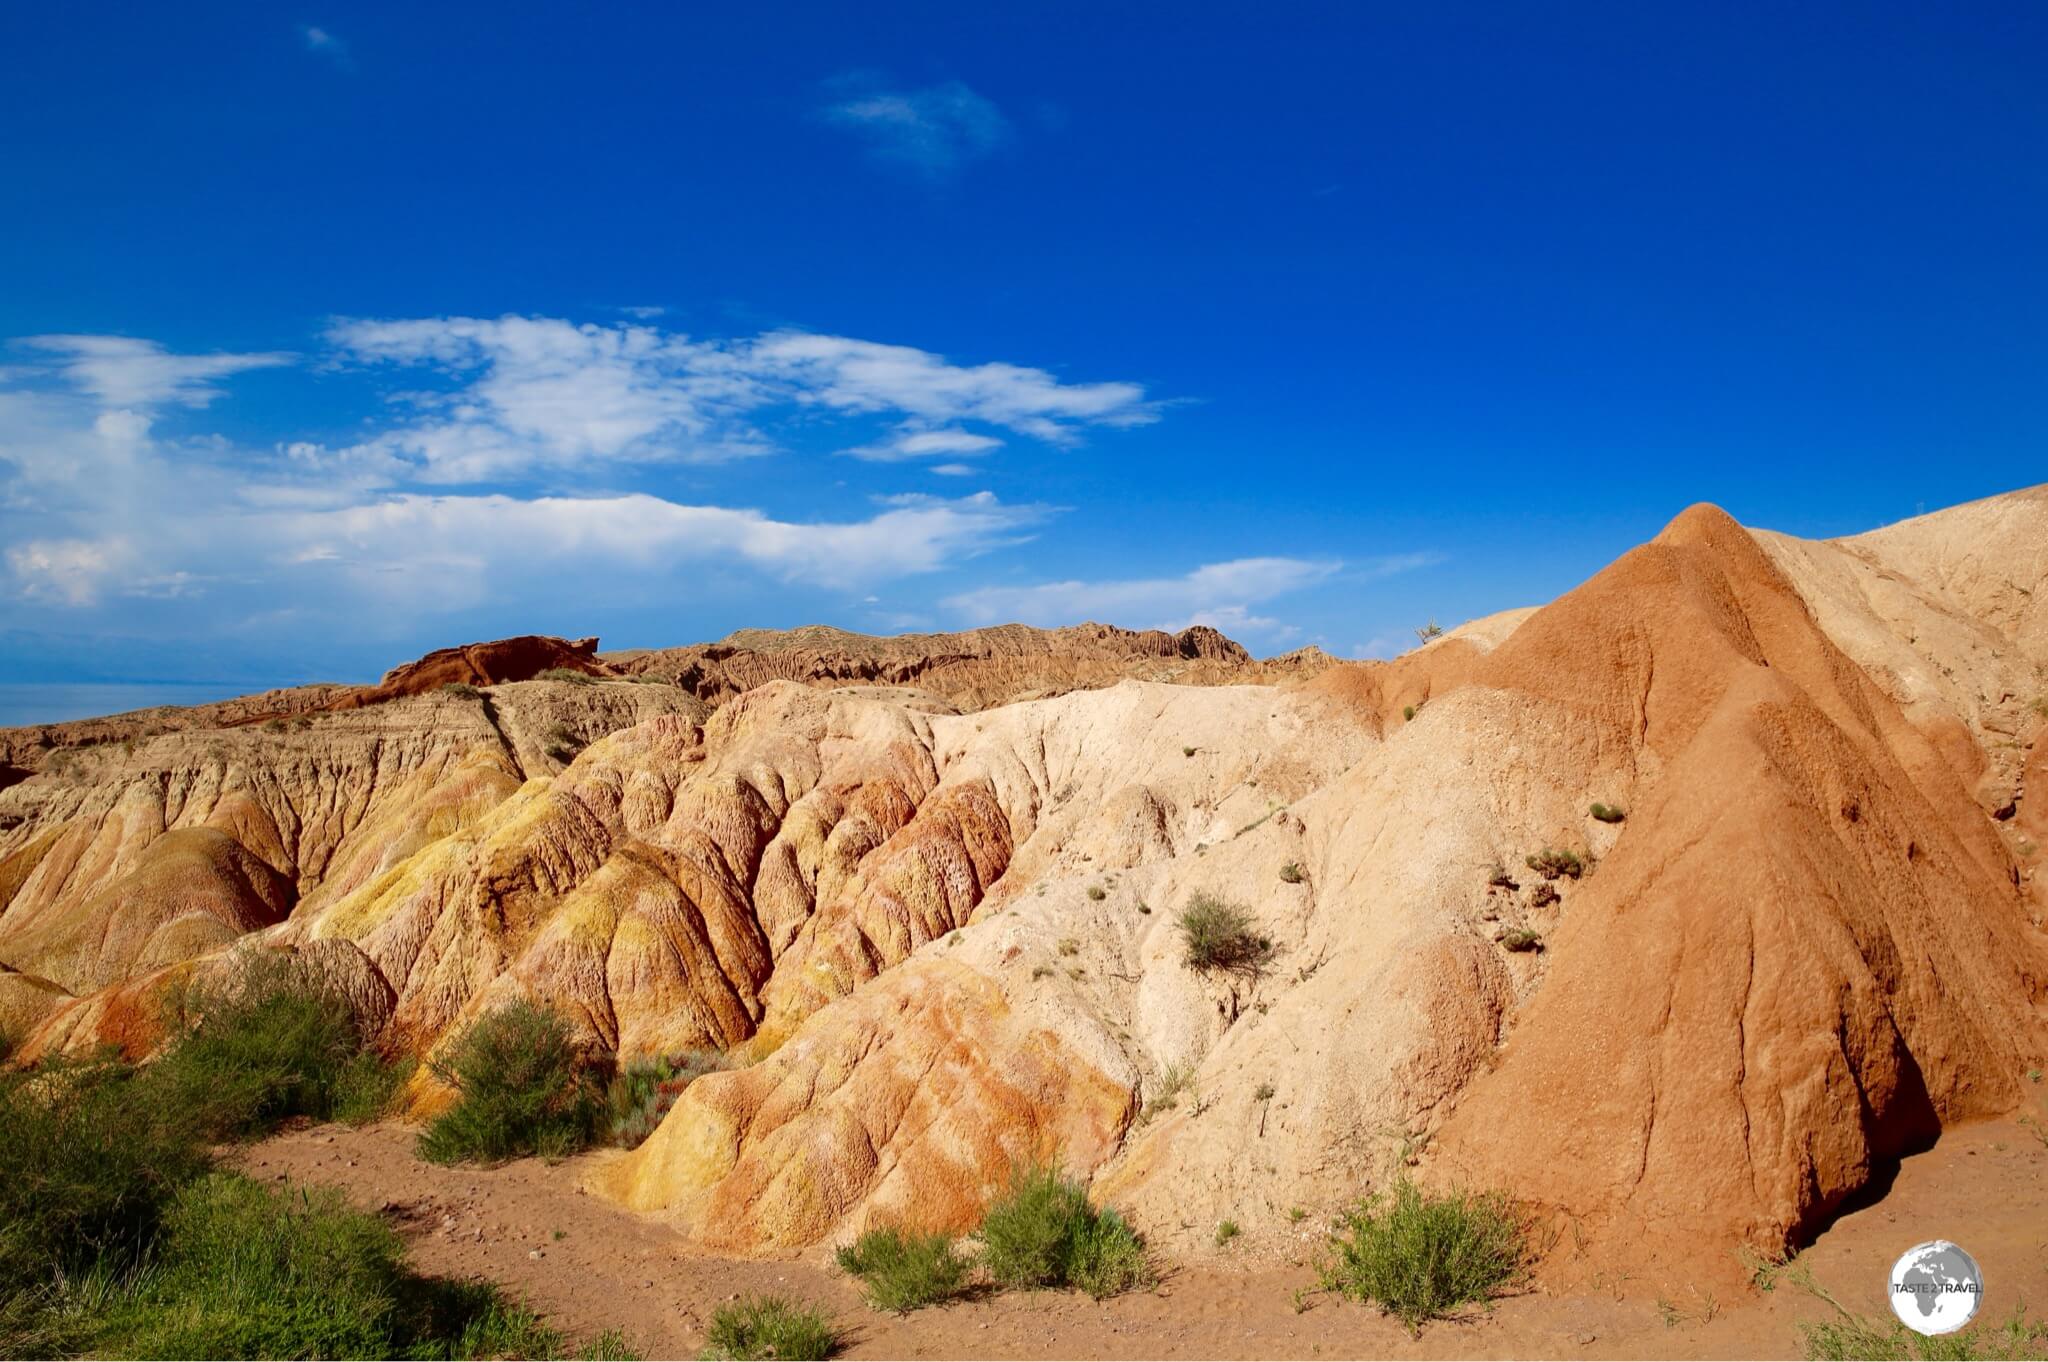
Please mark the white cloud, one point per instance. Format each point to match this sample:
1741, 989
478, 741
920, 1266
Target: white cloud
455, 542
867, 376
324, 43
542, 393
1209, 594
71, 572
95, 507
955, 470
922, 444
122, 372
934, 130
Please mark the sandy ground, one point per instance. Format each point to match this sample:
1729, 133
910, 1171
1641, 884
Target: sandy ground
588, 1266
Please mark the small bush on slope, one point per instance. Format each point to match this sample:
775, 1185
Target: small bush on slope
770, 1327
1420, 1256
519, 1090
1221, 936
1550, 863
566, 674
902, 1271
1044, 1233
639, 1096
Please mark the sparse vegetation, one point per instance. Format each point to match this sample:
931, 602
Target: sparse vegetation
265, 1048
1069, 946
1522, 939
1044, 1233
1175, 1080
1853, 1337
461, 690
1607, 813
1187, 751
1551, 863
761, 1327
1292, 873
1263, 1093
568, 675
273, 726
520, 1089
1543, 895
1408, 713
640, 1095
902, 1271
1499, 878
1096, 893
1043, 971
1420, 1256
561, 743
1431, 630
1221, 936
1226, 1231
117, 1237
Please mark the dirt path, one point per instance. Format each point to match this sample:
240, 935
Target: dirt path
590, 1266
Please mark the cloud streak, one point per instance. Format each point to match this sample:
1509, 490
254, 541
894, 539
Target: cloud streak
934, 131
121, 372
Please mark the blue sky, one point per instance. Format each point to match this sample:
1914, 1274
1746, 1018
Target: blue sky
333, 333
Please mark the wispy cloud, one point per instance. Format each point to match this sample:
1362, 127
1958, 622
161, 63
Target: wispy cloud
1218, 594
541, 393
933, 131
324, 43
925, 444
122, 372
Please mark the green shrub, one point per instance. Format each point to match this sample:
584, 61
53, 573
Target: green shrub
1226, 1231
1096, 893
1292, 873
1220, 936
1043, 1232
367, 1086
1607, 813
264, 1048
243, 1270
640, 1096
461, 690
770, 1327
1522, 939
902, 1271
562, 743
1551, 863
90, 1160
1408, 713
1420, 1256
520, 1089
565, 674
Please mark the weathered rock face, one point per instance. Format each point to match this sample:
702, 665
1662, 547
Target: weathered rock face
928, 890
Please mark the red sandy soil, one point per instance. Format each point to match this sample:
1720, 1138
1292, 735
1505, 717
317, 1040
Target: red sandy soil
588, 1266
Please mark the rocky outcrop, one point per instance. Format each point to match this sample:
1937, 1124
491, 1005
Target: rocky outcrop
974, 669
